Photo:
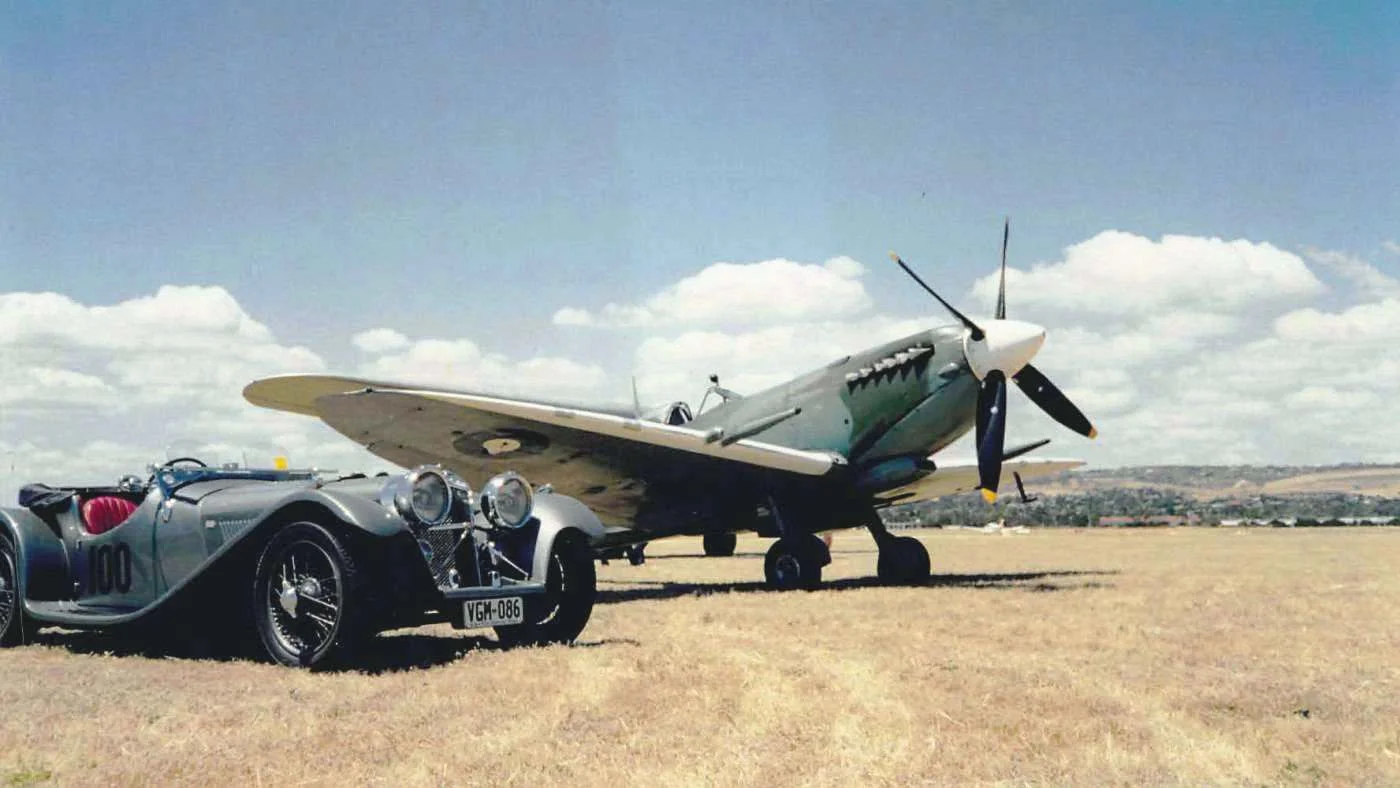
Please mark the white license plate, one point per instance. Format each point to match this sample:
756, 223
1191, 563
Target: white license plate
493, 612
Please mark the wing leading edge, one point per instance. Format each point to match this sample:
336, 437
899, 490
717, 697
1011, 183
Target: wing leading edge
604, 458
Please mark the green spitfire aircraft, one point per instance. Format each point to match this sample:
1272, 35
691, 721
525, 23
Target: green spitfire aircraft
823, 451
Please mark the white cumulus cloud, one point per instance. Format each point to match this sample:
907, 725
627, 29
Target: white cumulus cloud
461, 363
379, 340
726, 294
110, 385
1121, 274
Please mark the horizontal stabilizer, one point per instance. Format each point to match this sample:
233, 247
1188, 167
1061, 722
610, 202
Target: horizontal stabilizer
1017, 451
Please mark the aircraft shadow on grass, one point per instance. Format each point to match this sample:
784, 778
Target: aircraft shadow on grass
668, 556
1037, 582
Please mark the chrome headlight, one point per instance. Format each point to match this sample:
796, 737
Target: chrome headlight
427, 495
507, 500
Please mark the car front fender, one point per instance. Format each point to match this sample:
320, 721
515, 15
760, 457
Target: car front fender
559, 515
355, 510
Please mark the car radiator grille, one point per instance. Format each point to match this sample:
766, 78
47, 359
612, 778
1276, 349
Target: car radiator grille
443, 542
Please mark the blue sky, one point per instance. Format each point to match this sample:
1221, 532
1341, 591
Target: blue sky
466, 170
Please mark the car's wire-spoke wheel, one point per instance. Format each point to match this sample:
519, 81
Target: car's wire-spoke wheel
560, 614
304, 595
9, 595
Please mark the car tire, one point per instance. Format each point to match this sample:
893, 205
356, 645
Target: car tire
793, 563
560, 614
307, 603
719, 545
13, 631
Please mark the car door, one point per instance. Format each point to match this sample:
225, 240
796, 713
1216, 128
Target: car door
115, 569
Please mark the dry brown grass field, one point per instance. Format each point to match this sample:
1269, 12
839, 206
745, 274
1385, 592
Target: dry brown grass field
1210, 656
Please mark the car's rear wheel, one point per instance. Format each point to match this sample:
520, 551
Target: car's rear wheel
560, 614
11, 610
306, 600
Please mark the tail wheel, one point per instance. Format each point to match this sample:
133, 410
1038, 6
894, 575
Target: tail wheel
719, 545
560, 614
11, 609
794, 562
306, 600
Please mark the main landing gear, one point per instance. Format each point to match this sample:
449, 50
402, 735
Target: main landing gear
903, 559
797, 558
719, 545
796, 562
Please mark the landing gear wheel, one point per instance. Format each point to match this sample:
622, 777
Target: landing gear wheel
558, 615
12, 631
306, 599
719, 545
794, 562
903, 561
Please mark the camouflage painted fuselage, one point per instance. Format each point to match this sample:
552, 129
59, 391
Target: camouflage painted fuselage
884, 409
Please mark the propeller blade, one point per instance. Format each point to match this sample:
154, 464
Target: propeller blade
976, 330
1001, 291
991, 413
984, 412
1053, 401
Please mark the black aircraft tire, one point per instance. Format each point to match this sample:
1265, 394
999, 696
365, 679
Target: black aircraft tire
794, 563
561, 613
719, 545
13, 631
325, 597
903, 561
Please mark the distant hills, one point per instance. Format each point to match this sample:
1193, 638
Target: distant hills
1180, 494
1233, 481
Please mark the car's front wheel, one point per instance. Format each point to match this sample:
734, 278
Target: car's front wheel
306, 600
560, 614
11, 609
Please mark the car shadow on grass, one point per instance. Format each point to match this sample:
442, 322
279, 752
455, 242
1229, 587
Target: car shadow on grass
391, 652
1037, 582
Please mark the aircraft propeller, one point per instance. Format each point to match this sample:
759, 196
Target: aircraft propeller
1000, 349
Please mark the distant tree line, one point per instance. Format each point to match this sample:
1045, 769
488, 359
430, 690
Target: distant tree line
1144, 504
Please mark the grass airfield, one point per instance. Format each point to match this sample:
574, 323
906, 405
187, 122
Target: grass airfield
1196, 656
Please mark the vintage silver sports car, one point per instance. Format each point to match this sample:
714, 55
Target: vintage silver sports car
312, 565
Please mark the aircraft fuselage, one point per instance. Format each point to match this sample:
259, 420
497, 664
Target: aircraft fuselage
884, 409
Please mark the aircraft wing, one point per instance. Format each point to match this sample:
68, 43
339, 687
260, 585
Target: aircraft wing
606, 459
952, 478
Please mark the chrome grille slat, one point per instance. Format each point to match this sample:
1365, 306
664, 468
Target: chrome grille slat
443, 540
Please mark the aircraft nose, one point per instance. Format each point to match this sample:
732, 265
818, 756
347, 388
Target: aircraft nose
1006, 345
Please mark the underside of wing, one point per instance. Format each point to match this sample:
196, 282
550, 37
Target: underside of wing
951, 479
606, 459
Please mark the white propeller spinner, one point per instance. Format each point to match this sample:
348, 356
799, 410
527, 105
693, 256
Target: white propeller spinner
1006, 345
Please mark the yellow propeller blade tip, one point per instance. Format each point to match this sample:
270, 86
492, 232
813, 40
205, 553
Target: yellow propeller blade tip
989, 496
1093, 432
894, 257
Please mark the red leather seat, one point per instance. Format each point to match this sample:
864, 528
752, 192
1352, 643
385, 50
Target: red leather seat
102, 513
